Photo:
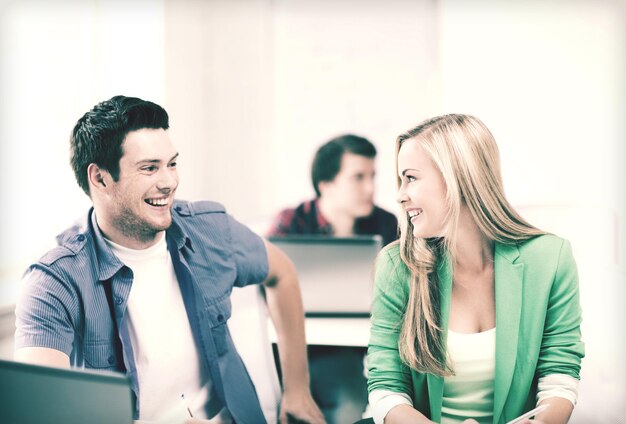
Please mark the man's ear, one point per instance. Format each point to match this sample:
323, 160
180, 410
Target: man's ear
322, 186
98, 177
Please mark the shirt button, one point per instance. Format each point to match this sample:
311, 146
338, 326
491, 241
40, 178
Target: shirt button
220, 318
177, 208
118, 300
80, 237
111, 360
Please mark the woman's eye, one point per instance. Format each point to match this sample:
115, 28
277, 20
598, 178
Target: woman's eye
410, 178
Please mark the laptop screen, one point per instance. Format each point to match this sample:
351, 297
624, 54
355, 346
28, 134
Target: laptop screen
335, 273
37, 394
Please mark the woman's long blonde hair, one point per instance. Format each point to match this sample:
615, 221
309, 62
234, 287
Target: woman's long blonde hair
466, 154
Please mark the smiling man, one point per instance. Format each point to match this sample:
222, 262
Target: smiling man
142, 285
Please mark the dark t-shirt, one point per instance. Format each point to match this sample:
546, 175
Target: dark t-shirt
306, 218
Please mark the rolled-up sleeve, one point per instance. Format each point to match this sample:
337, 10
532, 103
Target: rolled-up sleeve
385, 369
43, 312
562, 348
249, 254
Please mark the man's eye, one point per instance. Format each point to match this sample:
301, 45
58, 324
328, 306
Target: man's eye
150, 168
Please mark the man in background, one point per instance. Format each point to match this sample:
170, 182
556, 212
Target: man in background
342, 173
142, 284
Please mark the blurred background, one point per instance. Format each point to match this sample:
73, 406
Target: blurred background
253, 87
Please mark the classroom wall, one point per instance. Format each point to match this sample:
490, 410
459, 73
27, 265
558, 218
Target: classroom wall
265, 83
57, 60
254, 87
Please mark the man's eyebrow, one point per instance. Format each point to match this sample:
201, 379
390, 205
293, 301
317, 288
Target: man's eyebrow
145, 161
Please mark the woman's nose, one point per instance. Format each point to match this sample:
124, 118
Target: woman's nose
401, 196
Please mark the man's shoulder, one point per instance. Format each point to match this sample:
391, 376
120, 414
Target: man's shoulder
301, 219
203, 221
69, 243
185, 208
301, 209
384, 214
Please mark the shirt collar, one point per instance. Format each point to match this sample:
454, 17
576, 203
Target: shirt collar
322, 223
108, 264
178, 235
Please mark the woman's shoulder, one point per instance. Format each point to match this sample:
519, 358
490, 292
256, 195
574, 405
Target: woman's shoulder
389, 255
391, 275
544, 243
548, 249
390, 269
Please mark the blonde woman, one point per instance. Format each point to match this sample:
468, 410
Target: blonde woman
476, 315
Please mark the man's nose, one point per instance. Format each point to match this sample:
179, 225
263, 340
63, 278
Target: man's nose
168, 179
369, 186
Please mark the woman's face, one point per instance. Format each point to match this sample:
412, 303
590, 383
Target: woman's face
422, 192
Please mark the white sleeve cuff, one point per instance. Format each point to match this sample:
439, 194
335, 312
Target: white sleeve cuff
557, 385
382, 401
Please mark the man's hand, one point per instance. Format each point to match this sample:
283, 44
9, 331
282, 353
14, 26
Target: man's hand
284, 304
300, 408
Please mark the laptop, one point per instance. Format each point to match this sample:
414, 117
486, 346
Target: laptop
335, 273
37, 394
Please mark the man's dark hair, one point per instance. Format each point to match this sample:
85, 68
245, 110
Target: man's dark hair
327, 160
99, 134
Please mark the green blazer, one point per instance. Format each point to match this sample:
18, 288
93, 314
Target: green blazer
537, 325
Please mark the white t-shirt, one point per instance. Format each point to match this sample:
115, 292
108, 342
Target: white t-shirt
170, 374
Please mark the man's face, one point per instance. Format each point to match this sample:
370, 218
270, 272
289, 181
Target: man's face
352, 190
139, 203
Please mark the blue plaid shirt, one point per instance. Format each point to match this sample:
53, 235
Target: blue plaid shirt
74, 298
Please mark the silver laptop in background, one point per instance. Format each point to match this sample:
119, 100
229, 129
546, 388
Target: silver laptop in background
335, 273
37, 394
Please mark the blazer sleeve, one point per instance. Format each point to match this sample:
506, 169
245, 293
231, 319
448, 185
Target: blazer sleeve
562, 348
386, 370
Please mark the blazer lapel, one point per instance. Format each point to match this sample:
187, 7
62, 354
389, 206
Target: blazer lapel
508, 281
435, 383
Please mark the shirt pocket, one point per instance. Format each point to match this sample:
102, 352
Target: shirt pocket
101, 356
219, 314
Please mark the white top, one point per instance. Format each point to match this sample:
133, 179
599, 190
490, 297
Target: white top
552, 385
169, 371
469, 392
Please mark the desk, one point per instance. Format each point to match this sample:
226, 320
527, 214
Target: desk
333, 331
336, 348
